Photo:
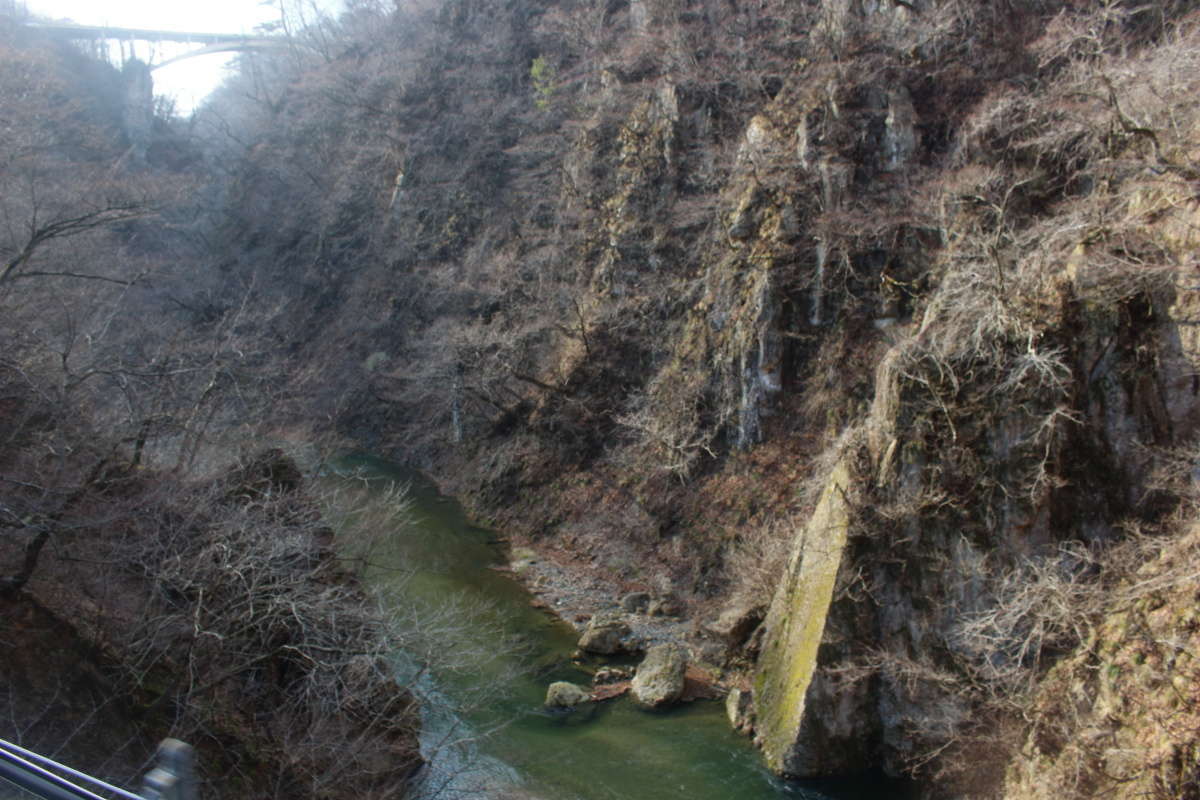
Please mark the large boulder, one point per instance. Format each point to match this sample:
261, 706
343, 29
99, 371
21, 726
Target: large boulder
564, 694
660, 676
607, 634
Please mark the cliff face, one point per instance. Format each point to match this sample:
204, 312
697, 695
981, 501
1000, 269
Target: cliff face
626, 276
1021, 423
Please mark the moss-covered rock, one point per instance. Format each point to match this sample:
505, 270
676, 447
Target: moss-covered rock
794, 628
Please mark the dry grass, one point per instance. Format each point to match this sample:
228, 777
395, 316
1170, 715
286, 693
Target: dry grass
1117, 718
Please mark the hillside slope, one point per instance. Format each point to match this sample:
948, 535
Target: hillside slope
887, 304
147, 588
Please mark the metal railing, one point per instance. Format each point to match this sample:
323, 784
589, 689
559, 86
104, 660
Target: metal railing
172, 778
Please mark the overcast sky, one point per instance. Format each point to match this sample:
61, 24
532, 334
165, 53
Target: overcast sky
189, 80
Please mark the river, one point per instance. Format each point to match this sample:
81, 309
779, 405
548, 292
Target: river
490, 656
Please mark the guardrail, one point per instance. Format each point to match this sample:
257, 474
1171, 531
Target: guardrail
172, 778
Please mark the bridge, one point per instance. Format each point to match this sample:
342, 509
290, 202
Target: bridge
208, 42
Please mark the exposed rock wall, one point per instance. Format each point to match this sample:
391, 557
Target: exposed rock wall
1009, 441
689, 247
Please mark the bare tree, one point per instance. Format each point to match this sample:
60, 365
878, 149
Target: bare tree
61, 171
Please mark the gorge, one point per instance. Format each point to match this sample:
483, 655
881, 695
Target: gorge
860, 330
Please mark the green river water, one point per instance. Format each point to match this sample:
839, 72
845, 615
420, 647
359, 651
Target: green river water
486, 733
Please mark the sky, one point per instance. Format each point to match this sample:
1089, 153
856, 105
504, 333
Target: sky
187, 81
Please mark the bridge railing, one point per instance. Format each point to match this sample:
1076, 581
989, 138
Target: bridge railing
71, 30
172, 778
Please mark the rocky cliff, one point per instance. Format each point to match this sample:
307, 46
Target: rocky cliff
1016, 429
899, 290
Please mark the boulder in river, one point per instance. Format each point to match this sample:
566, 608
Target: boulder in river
660, 676
607, 633
564, 694
522, 560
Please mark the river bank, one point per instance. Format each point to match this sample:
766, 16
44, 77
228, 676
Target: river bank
609, 751
575, 592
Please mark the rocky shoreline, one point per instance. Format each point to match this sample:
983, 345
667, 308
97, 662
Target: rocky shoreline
651, 617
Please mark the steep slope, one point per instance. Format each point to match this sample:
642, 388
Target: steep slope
1015, 427
899, 288
144, 592
1118, 717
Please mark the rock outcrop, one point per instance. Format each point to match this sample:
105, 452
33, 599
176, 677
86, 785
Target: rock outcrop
795, 740
1119, 717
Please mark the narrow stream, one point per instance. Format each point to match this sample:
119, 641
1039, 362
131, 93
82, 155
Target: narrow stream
486, 732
